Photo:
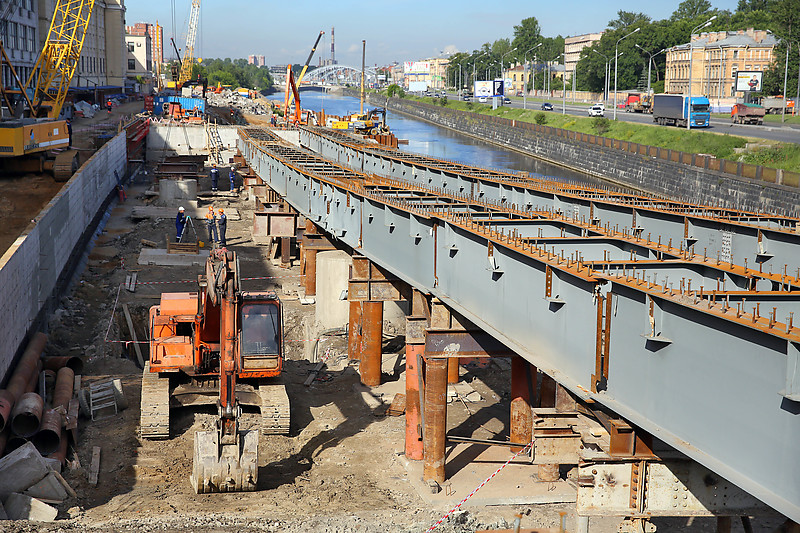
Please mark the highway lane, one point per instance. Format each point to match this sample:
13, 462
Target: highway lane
771, 132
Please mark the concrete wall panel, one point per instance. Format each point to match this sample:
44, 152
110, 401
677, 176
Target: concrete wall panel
31, 267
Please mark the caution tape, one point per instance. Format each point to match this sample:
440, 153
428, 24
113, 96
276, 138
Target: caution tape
479, 487
195, 281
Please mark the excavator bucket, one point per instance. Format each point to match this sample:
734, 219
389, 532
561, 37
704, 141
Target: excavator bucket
225, 467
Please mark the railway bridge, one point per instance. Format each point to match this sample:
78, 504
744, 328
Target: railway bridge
671, 322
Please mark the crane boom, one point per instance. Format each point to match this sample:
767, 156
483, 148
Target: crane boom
191, 37
59, 57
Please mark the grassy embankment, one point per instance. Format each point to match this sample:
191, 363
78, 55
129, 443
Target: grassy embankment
767, 153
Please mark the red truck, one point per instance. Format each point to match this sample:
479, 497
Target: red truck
639, 103
747, 114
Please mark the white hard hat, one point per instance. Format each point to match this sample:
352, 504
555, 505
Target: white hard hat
181, 208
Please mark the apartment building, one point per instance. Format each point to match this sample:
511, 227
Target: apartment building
19, 27
573, 47
716, 58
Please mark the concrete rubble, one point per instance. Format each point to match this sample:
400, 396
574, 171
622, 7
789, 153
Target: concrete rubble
228, 98
26, 484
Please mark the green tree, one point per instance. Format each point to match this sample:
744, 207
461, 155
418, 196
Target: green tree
692, 9
526, 35
627, 19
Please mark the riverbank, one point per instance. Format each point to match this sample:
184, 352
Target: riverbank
661, 171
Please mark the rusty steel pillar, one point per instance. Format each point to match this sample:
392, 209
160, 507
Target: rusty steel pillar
413, 419
286, 251
452, 370
548, 392
371, 339
435, 420
521, 422
354, 331
523, 391
310, 271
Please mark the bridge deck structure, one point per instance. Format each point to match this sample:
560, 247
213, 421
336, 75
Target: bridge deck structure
677, 317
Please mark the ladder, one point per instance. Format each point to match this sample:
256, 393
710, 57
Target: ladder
101, 396
214, 142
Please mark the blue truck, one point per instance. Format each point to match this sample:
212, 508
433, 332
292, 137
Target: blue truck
673, 110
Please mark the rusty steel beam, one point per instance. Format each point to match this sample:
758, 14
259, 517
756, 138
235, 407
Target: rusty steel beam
435, 419
457, 343
371, 340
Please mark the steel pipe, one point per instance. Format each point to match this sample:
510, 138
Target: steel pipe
58, 362
371, 340
435, 420
61, 453
48, 439
20, 379
27, 414
14, 442
65, 383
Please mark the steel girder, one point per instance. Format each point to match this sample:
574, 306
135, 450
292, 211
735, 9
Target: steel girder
716, 380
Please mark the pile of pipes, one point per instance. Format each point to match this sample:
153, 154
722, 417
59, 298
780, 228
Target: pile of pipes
229, 98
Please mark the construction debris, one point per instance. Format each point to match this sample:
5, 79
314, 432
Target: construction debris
229, 98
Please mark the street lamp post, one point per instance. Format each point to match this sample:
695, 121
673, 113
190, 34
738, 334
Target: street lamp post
649, 62
564, 86
785, 76
525, 76
605, 85
502, 73
689, 111
616, 57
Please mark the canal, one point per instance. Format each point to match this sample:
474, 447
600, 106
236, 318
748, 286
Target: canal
435, 141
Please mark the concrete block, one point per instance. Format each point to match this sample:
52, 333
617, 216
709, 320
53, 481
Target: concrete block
20, 469
333, 273
49, 488
3, 515
22, 507
159, 256
176, 192
53, 464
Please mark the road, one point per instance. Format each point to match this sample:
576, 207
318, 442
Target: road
786, 134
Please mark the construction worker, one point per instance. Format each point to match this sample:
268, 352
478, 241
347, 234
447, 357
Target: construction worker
214, 177
69, 132
180, 222
211, 222
232, 177
222, 223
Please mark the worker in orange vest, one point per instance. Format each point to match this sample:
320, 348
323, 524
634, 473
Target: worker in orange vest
211, 222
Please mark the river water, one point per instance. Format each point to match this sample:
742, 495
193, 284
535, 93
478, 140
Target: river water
435, 141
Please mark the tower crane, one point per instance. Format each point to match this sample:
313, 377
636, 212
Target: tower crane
26, 140
191, 37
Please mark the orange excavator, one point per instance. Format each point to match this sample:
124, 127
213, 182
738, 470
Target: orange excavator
219, 345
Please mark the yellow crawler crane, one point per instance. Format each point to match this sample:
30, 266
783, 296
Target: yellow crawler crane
28, 138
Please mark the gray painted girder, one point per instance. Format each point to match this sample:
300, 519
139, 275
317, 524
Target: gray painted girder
713, 393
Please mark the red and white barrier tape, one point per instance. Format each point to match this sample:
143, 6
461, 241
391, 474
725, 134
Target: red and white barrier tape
479, 487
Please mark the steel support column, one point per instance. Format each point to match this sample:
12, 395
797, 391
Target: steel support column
523, 392
354, 331
452, 370
371, 337
435, 419
310, 271
414, 449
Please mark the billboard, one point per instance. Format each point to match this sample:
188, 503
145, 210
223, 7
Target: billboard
416, 67
498, 88
417, 86
483, 88
748, 80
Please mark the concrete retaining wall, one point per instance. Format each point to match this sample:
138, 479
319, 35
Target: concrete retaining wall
33, 269
657, 175
186, 139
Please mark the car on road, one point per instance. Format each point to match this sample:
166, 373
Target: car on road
483, 99
466, 98
547, 106
597, 111
506, 100
519, 93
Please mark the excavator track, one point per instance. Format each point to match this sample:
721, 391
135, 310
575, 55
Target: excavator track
275, 412
154, 422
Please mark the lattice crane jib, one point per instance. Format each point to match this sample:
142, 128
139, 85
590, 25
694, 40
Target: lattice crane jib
60, 55
191, 37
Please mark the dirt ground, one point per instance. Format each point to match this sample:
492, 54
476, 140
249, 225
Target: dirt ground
23, 196
340, 469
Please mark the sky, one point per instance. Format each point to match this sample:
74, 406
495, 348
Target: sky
395, 30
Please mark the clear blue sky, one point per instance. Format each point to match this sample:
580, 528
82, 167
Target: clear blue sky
394, 30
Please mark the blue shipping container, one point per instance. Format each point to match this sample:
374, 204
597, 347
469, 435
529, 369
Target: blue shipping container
186, 103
